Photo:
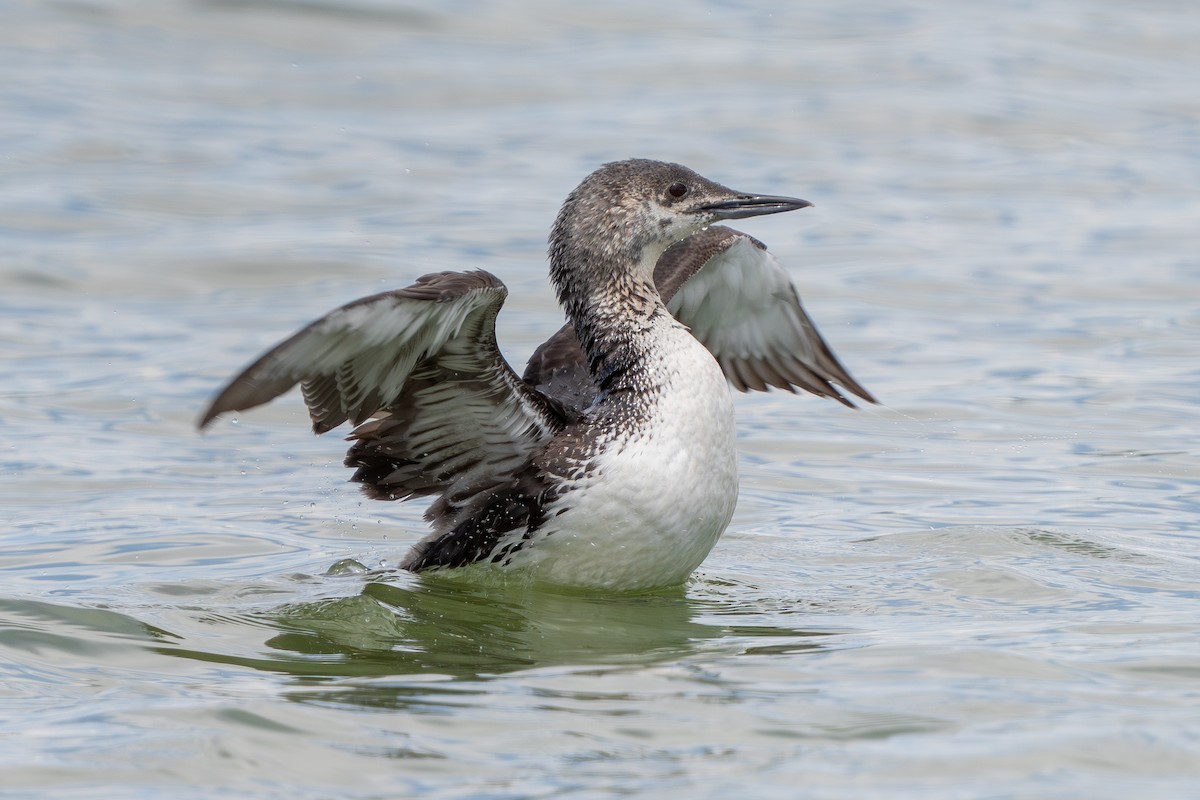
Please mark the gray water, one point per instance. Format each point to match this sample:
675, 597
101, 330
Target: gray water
984, 588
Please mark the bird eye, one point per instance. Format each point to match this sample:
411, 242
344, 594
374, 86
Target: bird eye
677, 190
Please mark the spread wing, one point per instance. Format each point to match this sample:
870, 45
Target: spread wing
418, 371
739, 302
742, 306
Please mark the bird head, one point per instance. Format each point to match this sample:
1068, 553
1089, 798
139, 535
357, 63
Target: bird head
628, 212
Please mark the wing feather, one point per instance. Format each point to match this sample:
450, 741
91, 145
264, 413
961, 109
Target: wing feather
418, 372
742, 306
740, 303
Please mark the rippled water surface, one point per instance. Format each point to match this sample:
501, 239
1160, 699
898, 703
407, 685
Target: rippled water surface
985, 587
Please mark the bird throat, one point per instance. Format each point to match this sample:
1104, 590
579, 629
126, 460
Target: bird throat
613, 308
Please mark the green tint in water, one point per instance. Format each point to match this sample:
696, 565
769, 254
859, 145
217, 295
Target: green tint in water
985, 588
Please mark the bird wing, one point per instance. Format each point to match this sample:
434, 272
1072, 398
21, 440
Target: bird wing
740, 303
418, 371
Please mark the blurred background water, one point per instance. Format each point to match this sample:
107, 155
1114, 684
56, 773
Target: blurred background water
987, 587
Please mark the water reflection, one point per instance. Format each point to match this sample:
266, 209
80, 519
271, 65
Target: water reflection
424, 632
471, 632
419, 629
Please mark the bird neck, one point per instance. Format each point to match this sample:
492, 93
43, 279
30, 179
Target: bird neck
610, 299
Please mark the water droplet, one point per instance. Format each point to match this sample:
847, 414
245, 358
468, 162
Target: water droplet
346, 567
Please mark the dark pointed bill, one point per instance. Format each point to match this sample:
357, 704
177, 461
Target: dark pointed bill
755, 205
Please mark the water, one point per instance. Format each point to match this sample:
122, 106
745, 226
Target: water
985, 588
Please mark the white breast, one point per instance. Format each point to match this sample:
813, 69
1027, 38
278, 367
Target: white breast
659, 495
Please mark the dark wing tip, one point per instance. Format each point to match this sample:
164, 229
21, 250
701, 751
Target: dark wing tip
206, 418
862, 394
245, 391
231, 398
852, 387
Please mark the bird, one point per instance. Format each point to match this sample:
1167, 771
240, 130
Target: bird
610, 464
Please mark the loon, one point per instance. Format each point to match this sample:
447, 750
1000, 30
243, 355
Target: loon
610, 464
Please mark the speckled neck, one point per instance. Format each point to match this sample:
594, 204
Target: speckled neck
604, 278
